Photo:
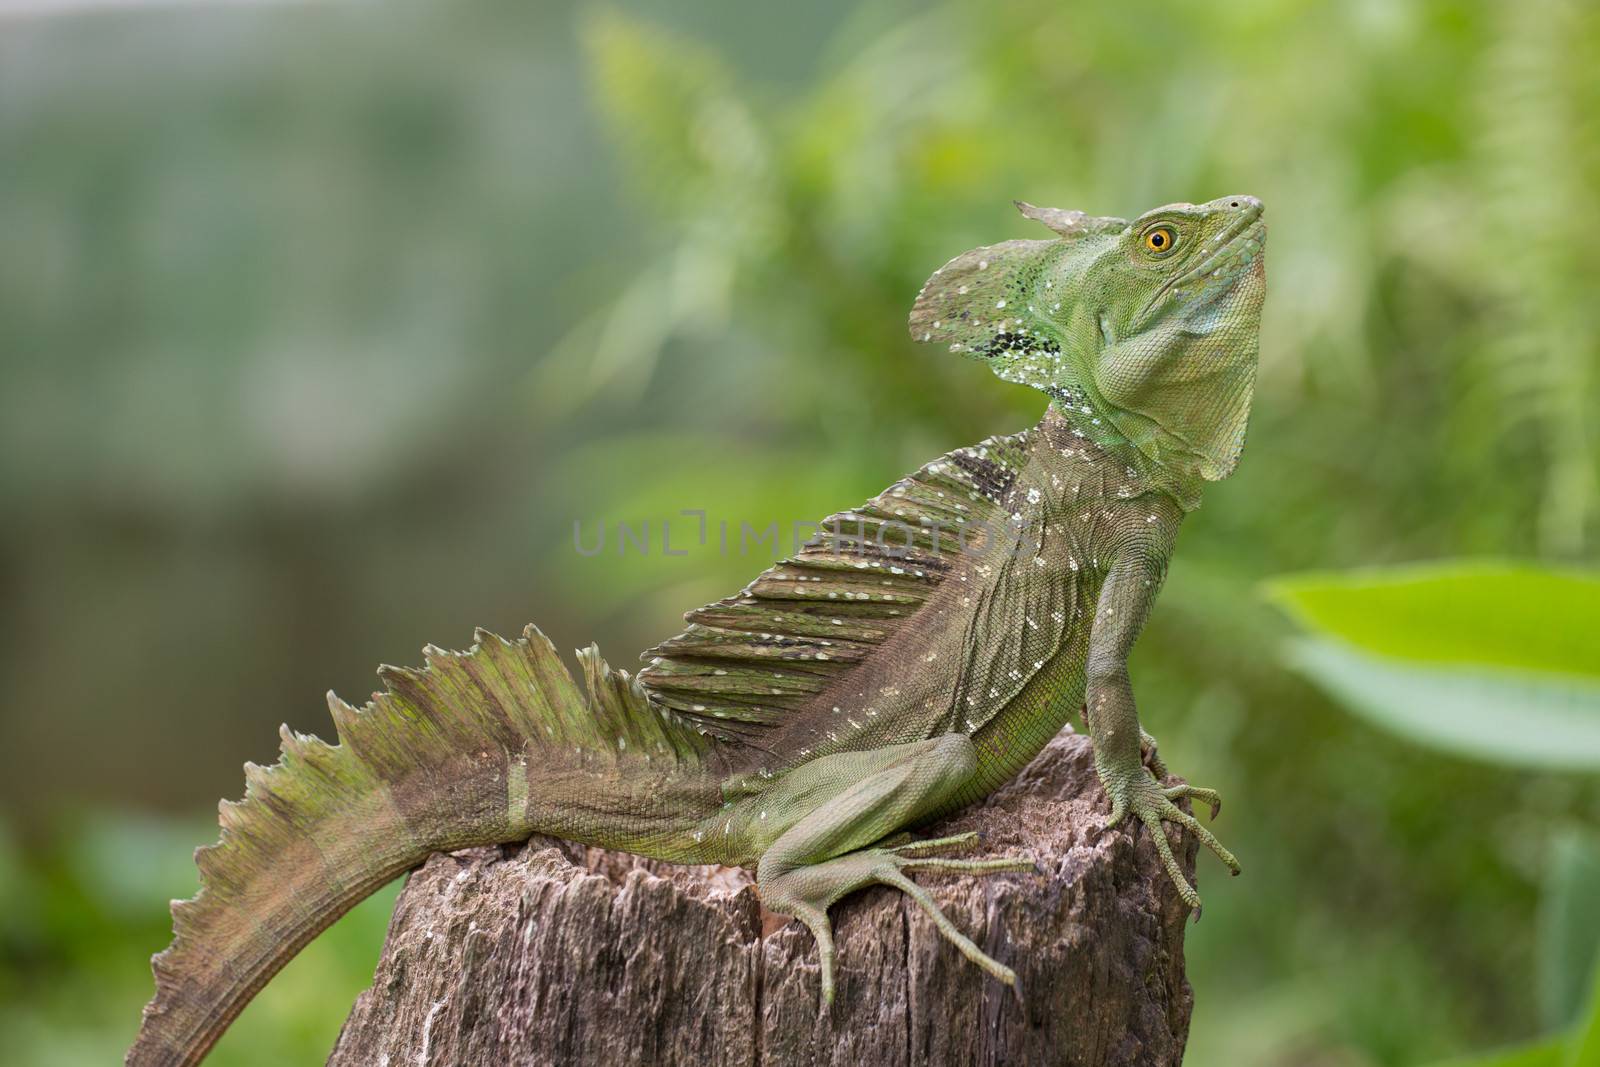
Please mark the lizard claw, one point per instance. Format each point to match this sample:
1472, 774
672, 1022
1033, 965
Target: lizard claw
1205, 796
806, 893
1143, 796
1119, 811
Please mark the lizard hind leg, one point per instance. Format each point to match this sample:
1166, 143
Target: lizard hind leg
839, 844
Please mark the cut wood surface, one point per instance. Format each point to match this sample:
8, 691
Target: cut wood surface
551, 953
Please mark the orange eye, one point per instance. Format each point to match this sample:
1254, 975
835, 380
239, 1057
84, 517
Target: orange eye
1160, 240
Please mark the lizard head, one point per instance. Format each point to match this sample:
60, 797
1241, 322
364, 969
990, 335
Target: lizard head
1143, 331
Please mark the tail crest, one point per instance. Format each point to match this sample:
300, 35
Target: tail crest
441, 759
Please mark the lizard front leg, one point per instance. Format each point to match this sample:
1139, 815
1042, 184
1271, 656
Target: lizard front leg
835, 818
1125, 600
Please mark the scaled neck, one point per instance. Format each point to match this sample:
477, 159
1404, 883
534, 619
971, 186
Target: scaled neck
1075, 415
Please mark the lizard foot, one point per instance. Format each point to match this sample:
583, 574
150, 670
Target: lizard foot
808, 892
1151, 754
1140, 794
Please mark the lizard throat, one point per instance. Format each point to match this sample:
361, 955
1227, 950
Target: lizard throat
1075, 416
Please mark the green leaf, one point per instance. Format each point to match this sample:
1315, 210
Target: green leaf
1515, 719
1478, 613
1583, 1049
1495, 661
1548, 1052
1569, 927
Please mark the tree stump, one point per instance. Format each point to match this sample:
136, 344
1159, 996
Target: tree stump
550, 953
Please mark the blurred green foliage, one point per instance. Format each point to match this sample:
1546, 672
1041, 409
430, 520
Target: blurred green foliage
1513, 617
1492, 660
321, 324
1496, 662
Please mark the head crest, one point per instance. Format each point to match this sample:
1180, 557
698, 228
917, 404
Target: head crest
1146, 329
1071, 224
998, 302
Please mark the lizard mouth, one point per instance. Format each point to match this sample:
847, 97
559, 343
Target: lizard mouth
1240, 244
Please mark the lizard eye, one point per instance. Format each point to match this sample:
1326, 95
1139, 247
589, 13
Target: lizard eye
1160, 240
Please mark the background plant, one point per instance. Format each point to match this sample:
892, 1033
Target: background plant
1494, 662
319, 324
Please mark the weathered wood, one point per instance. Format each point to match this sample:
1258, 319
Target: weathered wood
549, 953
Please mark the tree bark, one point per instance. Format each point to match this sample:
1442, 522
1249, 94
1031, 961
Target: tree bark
549, 953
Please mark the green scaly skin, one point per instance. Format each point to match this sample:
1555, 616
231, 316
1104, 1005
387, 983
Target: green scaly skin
879, 679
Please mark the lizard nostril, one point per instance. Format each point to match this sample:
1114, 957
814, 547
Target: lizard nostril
1234, 203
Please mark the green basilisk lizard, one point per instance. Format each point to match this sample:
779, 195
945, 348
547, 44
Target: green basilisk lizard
905, 663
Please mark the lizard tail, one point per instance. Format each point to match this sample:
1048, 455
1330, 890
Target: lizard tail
481, 747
